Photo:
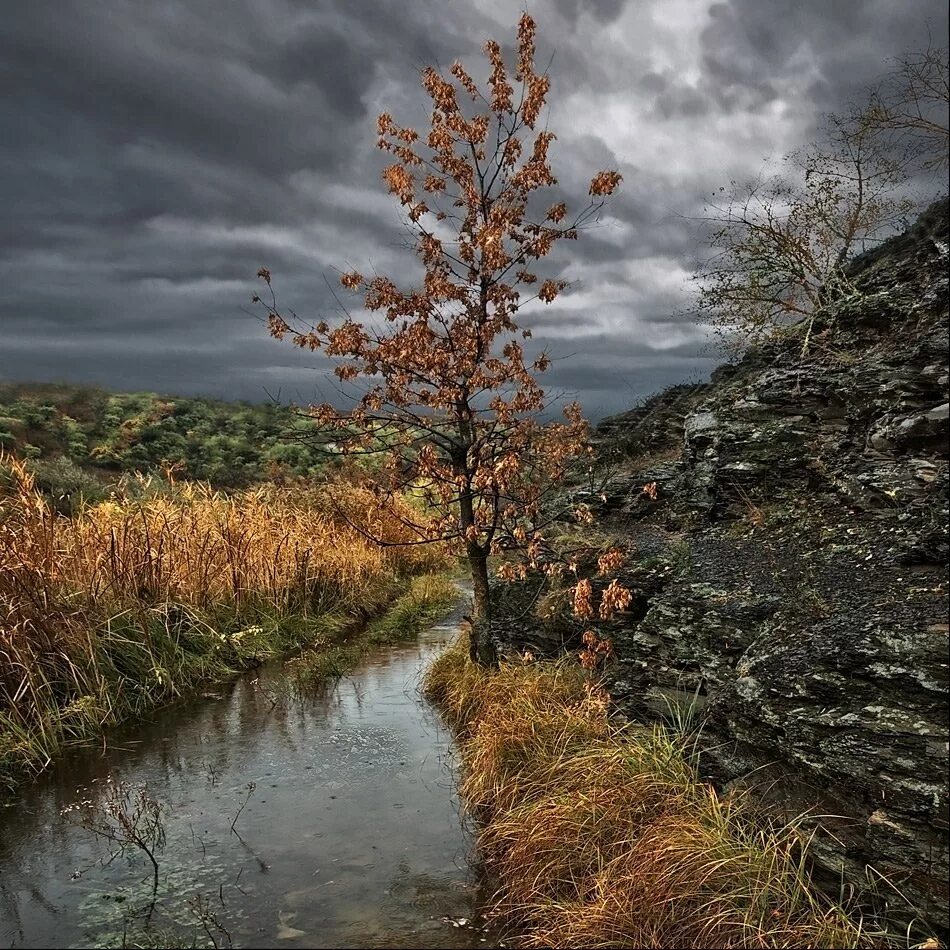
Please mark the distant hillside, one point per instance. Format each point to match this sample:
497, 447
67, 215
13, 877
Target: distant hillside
79, 437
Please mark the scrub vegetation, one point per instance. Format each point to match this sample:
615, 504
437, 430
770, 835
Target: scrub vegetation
78, 440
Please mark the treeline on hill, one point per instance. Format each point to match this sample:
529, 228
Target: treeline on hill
77, 440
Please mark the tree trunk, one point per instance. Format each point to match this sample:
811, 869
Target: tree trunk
480, 647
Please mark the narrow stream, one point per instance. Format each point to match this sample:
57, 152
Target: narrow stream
350, 837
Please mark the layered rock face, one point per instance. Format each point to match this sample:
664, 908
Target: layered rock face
793, 578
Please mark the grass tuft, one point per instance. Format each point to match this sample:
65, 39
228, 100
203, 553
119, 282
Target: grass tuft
428, 598
600, 834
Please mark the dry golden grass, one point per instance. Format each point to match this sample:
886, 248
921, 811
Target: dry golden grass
198, 546
600, 834
135, 600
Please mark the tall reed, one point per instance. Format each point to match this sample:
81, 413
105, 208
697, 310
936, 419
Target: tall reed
135, 600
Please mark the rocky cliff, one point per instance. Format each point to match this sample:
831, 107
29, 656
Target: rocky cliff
797, 573
791, 571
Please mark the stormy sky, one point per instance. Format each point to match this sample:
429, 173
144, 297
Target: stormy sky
155, 154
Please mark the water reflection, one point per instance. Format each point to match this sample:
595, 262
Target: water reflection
350, 837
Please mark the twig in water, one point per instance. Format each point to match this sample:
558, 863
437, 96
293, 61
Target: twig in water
209, 922
128, 818
250, 791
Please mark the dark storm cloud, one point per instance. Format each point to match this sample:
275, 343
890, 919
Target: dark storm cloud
606, 11
153, 155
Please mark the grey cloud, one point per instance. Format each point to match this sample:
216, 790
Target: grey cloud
750, 46
606, 11
154, 155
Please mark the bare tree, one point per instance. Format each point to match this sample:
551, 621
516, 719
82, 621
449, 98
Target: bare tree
781, 243
911, 106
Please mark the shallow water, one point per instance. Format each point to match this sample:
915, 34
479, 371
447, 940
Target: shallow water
351, 836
